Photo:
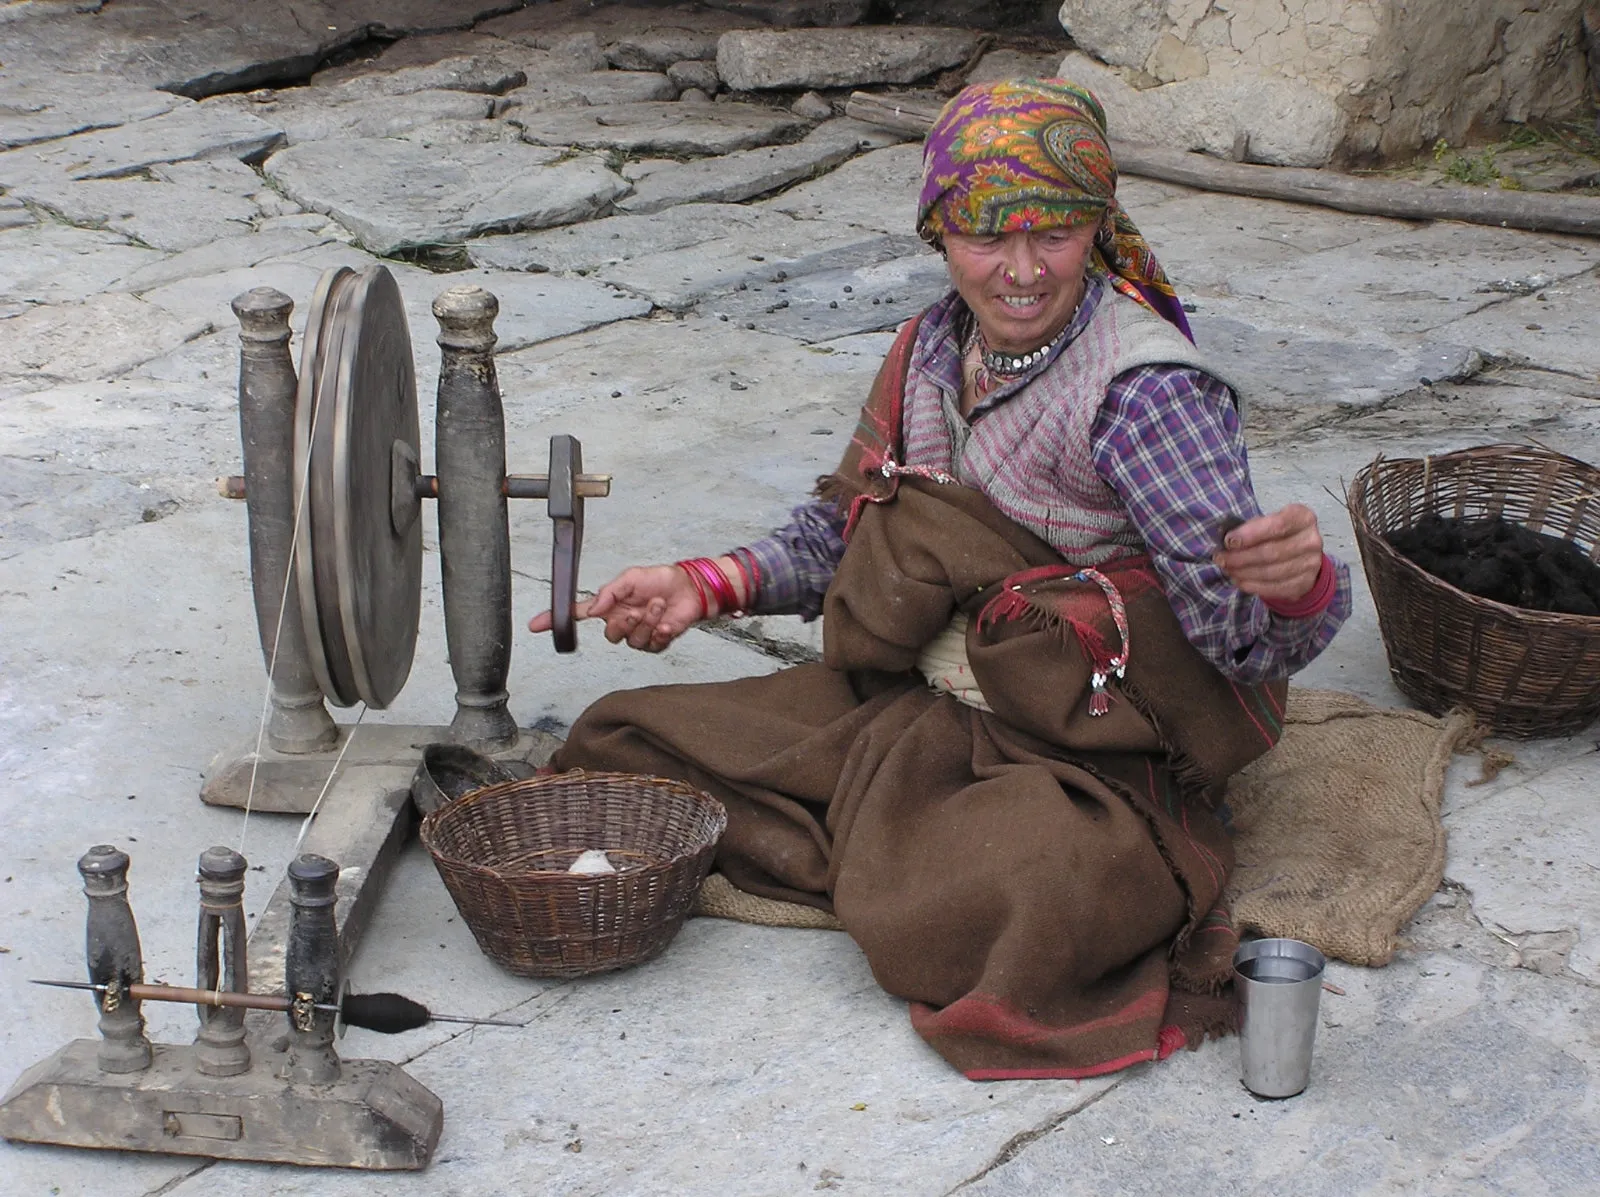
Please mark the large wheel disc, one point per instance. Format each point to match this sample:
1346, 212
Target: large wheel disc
358, 559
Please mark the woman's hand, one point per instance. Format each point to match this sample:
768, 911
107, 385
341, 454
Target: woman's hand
649, 606
1276, 556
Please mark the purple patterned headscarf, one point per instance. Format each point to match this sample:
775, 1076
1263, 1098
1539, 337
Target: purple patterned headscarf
1032, 154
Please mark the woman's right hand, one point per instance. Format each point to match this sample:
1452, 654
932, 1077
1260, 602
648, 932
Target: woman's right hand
649, 606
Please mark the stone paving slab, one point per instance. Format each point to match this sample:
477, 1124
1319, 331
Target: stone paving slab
192, 47
657, 47
680, 278
36, 109
533, 307
556, 94
765, 59
877, 191
1554, 328
671, 129
193, 131
453, 62
827, 303
99, 338
50, 262
1540, 830
178, 206
743, 173
1277, 354
304, 117
231, 253
42, 502
583, 247
1448, 272
396, 194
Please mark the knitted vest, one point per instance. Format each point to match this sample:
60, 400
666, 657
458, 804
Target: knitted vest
1030, 455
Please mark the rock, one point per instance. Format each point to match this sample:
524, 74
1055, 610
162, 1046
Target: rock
744, 173
1014, 64
99, 338
47, 502
812, 106
813, 304
659, 128
54, 263
533, 307
693, 95
457, 132
227, 253
403, 18
43, 109
306, 115
581, 248
752, 255
192, 131
753, 60
799, 14
1124, 34
194, 48
657, 48
582, 51
1401, 73
597, 88
692, 73
396, 194
314, 114
1280, 122
423, 50
877, 191
180, 206
487, 74
544, 24
14, 214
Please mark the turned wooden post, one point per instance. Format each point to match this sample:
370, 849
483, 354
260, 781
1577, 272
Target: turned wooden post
115, 960
474, 535
220, 963
299, 722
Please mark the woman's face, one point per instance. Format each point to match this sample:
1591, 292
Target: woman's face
1023, 287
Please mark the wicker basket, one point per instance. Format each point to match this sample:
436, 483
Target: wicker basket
503, 853
1523, 673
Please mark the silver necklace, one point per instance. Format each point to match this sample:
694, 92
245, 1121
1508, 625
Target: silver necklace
1010, 365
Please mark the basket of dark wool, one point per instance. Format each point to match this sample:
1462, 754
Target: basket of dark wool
1483, 568
575, 873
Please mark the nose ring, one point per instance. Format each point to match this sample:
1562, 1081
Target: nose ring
1039, 272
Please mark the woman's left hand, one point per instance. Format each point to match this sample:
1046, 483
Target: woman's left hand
1276, 556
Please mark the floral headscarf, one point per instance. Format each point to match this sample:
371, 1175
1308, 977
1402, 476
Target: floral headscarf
1032, 154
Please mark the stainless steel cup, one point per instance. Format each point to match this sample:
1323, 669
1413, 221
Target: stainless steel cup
1278, 983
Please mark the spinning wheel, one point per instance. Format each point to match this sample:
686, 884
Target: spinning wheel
357, 445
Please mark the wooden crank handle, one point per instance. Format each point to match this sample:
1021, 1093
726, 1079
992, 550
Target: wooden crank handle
565, 507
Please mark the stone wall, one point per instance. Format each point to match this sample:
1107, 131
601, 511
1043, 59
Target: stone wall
1309, 82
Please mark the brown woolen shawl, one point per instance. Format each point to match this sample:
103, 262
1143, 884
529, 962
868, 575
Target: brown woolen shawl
1041, 884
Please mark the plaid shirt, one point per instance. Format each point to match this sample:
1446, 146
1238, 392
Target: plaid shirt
1169, 443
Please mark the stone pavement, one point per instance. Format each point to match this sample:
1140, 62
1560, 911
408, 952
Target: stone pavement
678, 291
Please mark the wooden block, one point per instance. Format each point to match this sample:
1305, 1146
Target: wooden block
373, 1116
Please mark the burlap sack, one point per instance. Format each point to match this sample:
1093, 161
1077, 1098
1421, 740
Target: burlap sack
1337, 830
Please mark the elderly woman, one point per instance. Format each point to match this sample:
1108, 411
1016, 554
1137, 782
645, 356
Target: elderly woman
1056, 622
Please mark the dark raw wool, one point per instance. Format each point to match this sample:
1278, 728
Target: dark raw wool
1503, 561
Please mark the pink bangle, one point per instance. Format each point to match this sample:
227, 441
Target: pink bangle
1314, 601
716, 585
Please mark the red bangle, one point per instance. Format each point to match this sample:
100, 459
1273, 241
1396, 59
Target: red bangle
699, 589
1314, 601
716, 585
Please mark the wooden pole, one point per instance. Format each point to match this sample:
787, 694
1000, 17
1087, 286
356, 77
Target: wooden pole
1534, 210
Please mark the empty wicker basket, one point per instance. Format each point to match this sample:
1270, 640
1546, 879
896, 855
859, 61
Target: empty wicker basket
503, 853
1523, 673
